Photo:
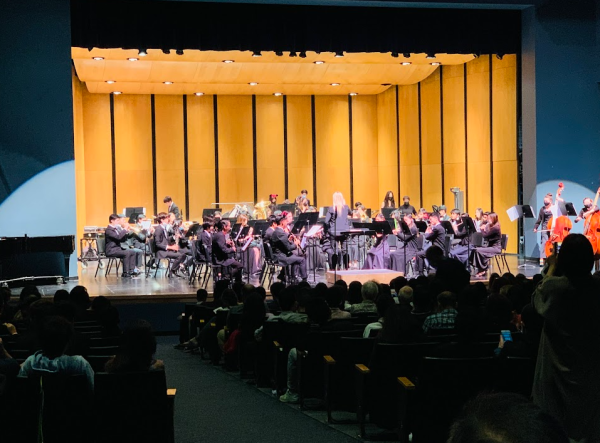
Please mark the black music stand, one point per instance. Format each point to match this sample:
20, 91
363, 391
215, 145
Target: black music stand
260, 227
287, 208
470, 228
133, 217
210, 212
421, 225
519, 212
305, 220
447, 227
193, 230
567, 209
407, 235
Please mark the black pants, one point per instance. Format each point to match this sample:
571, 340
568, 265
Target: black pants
128, 256
177, 256
235, 267
298, 264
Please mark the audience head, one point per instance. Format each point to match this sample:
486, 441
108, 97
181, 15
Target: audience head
201, 295
498, 310
342, 284
228, 298
434, 255
383, 302
60, 296
138, 346
369, 290
398, 283
287, 299
79, 297
55, 335
505, 418
354, 292
399, 325
317, 311
334, 297
320, 290
100, 303
421, 299
253, 314
405, 296
220, 286
29, 291
446, 300
576, 258
276, 289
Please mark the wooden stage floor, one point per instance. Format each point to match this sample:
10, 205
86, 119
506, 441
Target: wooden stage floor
163, 289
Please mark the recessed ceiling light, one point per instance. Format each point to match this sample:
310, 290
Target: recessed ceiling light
253, 83
353, 94
168, 83
406, 54
339, 54
406, 63
318, 62
431, 55
97, 58
142, 53
302, 54
277, 94
256, 54
132, 59
395, 54
117, 92
228, 61
110, 82
435, 63
335, 84
179, 52
198, 94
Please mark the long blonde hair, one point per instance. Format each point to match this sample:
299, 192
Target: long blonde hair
338, 202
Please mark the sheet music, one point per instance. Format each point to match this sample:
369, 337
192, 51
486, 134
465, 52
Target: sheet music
513, 213
314, 230
146, 224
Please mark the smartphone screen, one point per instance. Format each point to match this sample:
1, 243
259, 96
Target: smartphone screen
506, 335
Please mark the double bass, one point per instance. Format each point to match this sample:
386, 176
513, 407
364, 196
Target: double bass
559, 228
591, 227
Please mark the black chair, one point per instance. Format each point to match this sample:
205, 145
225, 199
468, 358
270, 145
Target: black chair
133, 406
269, 265
154, 259
430, 403
112, 261
501, 257
198, 261
52, 408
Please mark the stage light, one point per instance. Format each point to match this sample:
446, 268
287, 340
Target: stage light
117, 93
406, 63
277, 94
476, 55
435, 63
256, 54
279, 53
339, 54
302, 54
253, 83
352, 94
168, 83
166, 51
142, 52
132, 59
430, 55
198, 94
499, 56
318, 62
179, 52
98, 58
335, 84
110, 82
293, 54
406, 54
228, 61
395, 54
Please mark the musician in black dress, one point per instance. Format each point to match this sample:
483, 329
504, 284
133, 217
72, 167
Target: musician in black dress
435, 234
542, 225
336, 222
164, 248
388, 200
407, 246
378, 257
223, 249
481, 255
283, 249
115, 234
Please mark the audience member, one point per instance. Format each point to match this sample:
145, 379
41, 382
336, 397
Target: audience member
354, 294
383, 303
334, 298
446, 313
566, 381
136, 353
505, 418
369, 292
399, 326
56, 333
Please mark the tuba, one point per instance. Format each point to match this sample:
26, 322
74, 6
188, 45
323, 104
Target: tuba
261, 210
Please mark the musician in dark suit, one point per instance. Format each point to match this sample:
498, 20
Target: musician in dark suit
172, 208
408, 246
222, 249
283, 247
115, 235
272, 220
163, 247
206, 240
435, 234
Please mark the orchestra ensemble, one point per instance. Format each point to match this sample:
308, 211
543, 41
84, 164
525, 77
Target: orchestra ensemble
300, 240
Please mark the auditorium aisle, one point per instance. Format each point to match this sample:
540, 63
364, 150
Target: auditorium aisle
214, 406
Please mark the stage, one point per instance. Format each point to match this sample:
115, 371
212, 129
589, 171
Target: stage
161, 289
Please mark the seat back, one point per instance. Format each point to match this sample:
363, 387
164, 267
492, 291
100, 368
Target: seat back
131, 407
62, 404
268, 252
392, 241
101, 244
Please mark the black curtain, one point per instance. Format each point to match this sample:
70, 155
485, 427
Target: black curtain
133, 24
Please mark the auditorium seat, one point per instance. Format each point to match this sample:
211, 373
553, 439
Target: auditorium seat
133, 407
